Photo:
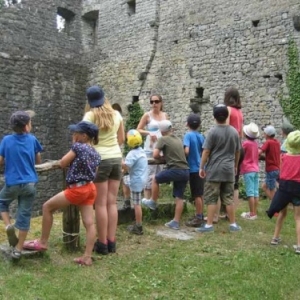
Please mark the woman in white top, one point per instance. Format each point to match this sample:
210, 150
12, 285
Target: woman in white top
148, 127
111, 136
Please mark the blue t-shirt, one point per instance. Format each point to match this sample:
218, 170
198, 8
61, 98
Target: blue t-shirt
84, 165
19, 151
194, 140
136, 161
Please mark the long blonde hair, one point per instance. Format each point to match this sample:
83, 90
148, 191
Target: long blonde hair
103, 115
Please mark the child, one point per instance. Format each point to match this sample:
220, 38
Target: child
250, 169
83, 161
177, 171
289, 186
271, 149
137, 164
19, 152
286, 128
219, 162
193, 142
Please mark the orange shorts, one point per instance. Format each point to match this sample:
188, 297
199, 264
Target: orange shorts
81, 195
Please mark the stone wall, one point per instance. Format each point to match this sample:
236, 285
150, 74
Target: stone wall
41, 70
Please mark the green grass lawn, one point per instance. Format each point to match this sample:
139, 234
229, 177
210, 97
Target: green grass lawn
218, 265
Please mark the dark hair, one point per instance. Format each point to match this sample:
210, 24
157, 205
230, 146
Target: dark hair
232, 98
194, 126
249, 138
221, 119
160, 99
116, 106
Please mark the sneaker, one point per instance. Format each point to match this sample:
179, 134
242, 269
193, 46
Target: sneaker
135, 229
126, 205
16, 254
248, 216
111, 246
149, 203
233, 228
275, 241
11, 235
204, 229
244, 214
173, 225
194, 222
297, 249
100, 248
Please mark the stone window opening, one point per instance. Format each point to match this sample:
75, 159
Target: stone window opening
255, 23
135, 99
64, 20
278, 76
89, 28
199, 92
131, 7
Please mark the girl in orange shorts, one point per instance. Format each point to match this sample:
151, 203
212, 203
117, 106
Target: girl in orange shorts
82, 160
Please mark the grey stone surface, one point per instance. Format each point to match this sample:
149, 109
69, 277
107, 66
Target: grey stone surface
171, 47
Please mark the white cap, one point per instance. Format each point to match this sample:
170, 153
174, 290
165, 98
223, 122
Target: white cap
251, 130
165, 126
269, 130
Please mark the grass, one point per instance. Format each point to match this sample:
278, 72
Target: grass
241, 265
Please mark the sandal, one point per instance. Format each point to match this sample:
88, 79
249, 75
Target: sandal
83, 261
34, 245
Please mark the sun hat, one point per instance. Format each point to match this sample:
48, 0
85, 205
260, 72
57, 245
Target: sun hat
165, 126
220, 111
95, 96
269, 130
292, 143
90, 129
251, 130
194, 120
19, 119
134, 138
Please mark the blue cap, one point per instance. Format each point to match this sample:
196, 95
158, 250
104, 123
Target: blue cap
95, 96
90, 129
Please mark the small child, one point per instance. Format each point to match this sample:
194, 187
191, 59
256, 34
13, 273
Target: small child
137, 164
193, 143
83, 161
286, 128
271, 149
250, 169
19, 152
219, 163
177, 171
289, 186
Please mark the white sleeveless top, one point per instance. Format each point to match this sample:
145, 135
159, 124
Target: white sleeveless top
153, 127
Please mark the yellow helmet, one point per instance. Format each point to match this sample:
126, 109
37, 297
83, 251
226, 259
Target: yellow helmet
134, 138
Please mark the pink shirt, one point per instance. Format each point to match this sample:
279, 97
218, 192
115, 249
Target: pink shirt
250, 162
236, 119
290, 167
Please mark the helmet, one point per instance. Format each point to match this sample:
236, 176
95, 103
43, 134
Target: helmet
134, 138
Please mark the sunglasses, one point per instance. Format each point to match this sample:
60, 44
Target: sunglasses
154, 101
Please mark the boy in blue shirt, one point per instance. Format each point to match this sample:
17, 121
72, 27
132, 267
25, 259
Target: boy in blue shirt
193, 142
137, 164
19, 152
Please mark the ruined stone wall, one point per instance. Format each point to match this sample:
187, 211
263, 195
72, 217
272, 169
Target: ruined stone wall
197, 49
40, 70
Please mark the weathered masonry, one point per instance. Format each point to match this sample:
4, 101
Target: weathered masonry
189, 51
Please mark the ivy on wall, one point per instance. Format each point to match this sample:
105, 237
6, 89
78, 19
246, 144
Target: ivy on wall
291, 105
135, 113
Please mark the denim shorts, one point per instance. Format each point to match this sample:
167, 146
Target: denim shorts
251, 180
25, 195
271, 179
179, 177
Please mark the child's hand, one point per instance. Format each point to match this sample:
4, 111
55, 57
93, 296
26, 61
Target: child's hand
202, 173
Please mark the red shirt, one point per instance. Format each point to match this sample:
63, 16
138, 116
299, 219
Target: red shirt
250, 161
236, 119
290, 167
272, 150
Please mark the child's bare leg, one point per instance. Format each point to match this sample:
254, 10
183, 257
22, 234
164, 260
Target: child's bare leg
236, 199
138, 214
155, 190
255, 206
297, 220
147, 193
5, 217
251, 203
88, 222
279, 222
178, 209
271, 193
49, 207
211, 212
231, 213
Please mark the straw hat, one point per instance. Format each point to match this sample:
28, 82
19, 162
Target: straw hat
251, 130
